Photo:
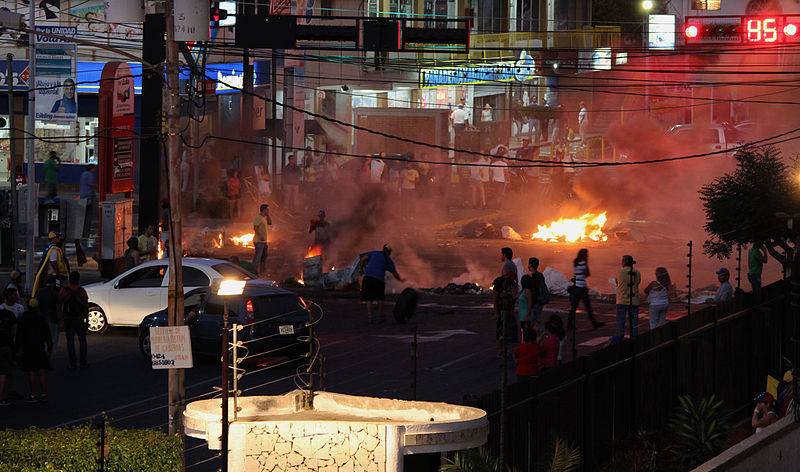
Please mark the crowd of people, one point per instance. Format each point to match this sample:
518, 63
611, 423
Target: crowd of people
30, 328
541, 344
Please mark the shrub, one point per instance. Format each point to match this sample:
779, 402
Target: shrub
700, 428
76, 450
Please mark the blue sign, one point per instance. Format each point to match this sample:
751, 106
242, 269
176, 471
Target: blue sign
66, 31
230, 77
520, 70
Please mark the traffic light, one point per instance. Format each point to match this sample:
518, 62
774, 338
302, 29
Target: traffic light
218, 14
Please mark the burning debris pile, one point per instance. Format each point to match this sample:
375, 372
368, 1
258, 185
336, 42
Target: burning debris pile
468, 288
313, 277
588, 227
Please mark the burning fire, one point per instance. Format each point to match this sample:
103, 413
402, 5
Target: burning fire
160, 250
243, 240
218, 241
315, 250
588, 227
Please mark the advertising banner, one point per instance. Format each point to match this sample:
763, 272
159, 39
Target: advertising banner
56, 99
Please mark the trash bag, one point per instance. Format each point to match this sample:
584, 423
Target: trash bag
556, 282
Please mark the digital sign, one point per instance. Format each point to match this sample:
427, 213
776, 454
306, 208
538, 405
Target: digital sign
765, 29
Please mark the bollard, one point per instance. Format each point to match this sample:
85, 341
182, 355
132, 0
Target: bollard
689, 276
414, 364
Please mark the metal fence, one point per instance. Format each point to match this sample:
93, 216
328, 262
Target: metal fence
633, 386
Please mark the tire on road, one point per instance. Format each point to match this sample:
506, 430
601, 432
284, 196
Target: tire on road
406, 305
144, 345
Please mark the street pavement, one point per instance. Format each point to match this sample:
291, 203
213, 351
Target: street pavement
456, 356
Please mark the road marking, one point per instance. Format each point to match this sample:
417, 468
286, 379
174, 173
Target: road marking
595, 341
456, 361
426, 338
132, 404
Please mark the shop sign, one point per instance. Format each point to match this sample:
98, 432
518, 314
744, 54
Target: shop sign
65, 31
521, 70
229, 78
661, 32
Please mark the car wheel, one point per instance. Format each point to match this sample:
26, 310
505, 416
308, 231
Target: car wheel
97, 320
144, 345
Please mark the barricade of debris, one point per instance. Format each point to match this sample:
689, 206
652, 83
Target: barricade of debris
468, 288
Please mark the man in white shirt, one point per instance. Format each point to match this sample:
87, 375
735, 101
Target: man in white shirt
500, 178
376, 168
459, 119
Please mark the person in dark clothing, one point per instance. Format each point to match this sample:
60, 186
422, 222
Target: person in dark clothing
7, 326
504, 293
33, 335
321, 230
75, 310
50, 308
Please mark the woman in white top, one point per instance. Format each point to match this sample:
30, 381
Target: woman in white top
658, 297
486, 113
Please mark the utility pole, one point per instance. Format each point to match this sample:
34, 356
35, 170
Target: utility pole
31, 203
12, 146
175, 248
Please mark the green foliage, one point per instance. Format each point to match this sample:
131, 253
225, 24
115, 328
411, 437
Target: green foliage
740, 206
76, 450
473, 460
566, 458
700, 428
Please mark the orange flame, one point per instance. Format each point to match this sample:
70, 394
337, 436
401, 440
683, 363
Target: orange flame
160, 251
588, 227
301, 282
243, 240
218, 241
313, 251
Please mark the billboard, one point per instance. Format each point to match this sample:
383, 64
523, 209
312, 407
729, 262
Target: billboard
661, 32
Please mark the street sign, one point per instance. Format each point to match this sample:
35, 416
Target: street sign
170, 347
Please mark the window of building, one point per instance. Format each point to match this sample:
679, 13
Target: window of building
706, 4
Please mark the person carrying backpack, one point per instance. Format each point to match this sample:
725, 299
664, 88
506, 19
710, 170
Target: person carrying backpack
75, 311
536, 294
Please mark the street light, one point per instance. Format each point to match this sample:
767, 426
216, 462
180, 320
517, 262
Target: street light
647, 5
226, 289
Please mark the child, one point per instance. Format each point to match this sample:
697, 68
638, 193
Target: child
526, 355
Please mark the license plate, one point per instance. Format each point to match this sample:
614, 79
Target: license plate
286, 329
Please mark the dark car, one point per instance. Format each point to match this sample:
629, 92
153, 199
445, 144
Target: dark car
276, 322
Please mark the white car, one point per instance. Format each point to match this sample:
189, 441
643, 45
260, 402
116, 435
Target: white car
126, 299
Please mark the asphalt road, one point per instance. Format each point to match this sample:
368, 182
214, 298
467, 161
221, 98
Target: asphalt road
456, 356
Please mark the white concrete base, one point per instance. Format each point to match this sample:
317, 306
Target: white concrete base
342, 433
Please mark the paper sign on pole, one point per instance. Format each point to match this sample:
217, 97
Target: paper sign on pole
170, 347
191, 20
56, 69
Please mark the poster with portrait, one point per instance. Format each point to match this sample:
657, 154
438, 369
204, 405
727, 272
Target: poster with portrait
90, 19
56, 99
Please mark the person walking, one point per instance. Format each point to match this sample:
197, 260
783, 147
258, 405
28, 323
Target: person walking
148, 244
291, 184
530, 302
8, 323
34, 345
658, 297
234, 194
75, 310
583, 121
50, 307
477, 183
52, 166
260, 224
756, 258
373, 284
628, 280
579, 291
53, 262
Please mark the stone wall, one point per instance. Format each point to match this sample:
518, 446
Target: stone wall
322, 446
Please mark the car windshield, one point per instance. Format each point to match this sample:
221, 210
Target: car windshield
232, 271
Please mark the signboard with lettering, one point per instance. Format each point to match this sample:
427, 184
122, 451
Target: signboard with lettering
116, 129
191, 20
521, 70
170, 347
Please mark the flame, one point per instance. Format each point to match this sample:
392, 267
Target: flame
588, 227
314, 250
243, 240
160, 251
301, 282
218, 241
